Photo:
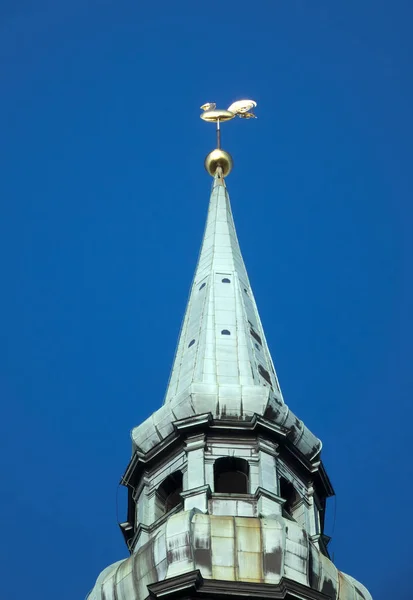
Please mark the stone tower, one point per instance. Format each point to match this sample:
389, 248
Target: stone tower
227, 491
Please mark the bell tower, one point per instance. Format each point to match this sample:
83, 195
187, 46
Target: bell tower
226, 487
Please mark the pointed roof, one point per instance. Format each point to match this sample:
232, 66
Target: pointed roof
222, 363
222, 341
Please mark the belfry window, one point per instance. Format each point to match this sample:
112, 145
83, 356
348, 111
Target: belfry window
168, 494
231, 475
290, 495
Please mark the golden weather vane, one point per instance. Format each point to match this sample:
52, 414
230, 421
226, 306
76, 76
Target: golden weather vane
212, 114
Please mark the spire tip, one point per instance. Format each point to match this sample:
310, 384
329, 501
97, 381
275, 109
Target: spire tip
218, 157
219, 163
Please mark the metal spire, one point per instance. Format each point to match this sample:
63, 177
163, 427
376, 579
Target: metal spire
222, 364
222, 340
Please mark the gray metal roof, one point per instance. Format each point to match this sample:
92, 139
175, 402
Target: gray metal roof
229, 549
222, 363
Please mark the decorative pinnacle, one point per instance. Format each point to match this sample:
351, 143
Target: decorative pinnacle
212, 114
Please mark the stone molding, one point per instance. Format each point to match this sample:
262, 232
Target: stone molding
193, 585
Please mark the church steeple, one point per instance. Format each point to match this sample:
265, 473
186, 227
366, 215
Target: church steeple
222, 342
227, 491
222, 363
221, 345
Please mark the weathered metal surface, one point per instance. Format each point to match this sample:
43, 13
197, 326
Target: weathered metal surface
222, 364
230, 549
234, 507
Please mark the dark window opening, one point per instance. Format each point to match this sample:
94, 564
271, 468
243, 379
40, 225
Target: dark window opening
257, 347
191, 343
317, 519
255, 336
246, 291
320, 507
231, 475
169, 491
226, 280
290, 495
202, 286
264, 374
225, 332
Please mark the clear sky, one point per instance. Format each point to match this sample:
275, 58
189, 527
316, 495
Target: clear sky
103, 204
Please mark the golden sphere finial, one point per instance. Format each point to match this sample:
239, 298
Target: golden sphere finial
218, 158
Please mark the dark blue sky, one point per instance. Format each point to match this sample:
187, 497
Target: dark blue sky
104, 198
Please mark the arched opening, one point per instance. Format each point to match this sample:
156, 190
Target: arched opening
231, 475
168, 493
290, 495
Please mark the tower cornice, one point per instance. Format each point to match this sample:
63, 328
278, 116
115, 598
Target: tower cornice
195, 586
273, 437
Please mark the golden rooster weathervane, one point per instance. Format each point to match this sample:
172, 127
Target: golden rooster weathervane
212, 114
